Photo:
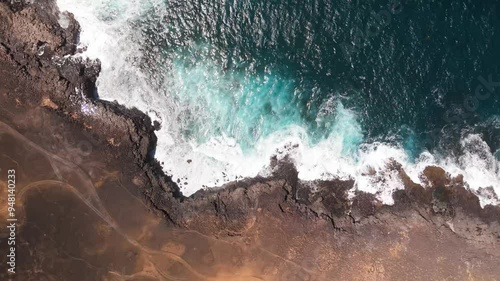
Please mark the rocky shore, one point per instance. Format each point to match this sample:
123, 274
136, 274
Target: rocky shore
276, 228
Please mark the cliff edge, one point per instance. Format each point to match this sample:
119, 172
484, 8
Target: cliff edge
276, 228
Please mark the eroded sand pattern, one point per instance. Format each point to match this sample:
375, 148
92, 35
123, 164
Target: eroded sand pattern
66, 230
85, 223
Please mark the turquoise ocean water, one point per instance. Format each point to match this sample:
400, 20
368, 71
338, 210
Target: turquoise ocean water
349, 81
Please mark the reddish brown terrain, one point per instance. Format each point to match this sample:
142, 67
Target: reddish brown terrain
93, 203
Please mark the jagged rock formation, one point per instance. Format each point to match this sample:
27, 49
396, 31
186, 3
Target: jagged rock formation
276, 228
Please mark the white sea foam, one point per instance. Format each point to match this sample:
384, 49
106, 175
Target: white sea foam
108, 35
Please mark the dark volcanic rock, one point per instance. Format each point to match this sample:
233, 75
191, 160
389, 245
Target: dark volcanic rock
37, 73
276, 228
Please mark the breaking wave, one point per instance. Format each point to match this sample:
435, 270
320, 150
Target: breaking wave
234, 83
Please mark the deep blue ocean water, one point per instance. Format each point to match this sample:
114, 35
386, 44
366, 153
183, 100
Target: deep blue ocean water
343, 86
408, 69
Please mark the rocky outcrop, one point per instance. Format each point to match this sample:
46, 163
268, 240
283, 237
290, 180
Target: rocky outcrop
39, 70
315, 227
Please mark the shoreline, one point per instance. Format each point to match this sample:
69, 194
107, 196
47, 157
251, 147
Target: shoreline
51, 100
209, 159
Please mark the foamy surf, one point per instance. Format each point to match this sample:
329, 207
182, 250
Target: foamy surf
192, 99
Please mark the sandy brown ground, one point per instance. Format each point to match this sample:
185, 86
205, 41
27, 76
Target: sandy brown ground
93, 204
81, 218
